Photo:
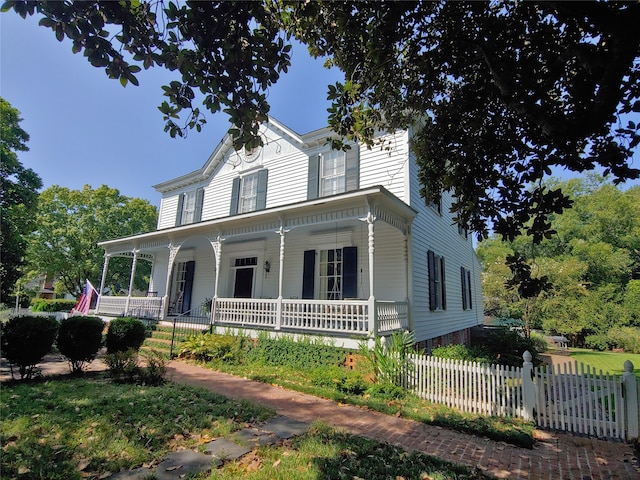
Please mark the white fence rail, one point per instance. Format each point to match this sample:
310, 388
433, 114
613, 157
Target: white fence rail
573, 399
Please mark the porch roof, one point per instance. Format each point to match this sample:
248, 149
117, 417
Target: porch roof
351, 205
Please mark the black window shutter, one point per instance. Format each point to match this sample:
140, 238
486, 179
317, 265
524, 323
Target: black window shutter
469, 287
313, 178
179, 211
197, 216
308, 274
352, 169
432, 279
350, 272
261, 200
188, 286
444, 283
463, 283
235, 196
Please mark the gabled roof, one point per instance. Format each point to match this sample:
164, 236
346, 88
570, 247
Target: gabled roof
226, 144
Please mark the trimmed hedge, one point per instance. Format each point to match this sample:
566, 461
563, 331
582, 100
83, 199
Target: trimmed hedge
79, 339
125, 333
25, 340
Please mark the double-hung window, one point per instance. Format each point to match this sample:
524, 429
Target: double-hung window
249, 192
333, 172
190, 207
437, 283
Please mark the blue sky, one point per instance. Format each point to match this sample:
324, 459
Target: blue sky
87, 129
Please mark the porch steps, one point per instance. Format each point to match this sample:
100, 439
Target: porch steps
160, 340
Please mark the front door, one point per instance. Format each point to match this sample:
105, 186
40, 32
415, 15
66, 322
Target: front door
243, 287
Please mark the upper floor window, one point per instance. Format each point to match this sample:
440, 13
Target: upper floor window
249, 192
333, 172
437, 284
190, 207
463, 230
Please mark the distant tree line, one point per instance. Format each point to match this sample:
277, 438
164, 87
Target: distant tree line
590, 266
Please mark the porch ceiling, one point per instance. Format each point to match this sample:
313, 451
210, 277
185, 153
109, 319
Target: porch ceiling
347, 206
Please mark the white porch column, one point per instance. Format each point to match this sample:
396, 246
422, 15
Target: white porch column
105, 266
133, 274
373, 328
217, 250
408, 280
282, 232
173, 251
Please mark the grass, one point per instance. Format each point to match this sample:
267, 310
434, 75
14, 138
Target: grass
88, 427
612, 362
51, 429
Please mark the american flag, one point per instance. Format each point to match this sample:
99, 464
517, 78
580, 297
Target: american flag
84, 302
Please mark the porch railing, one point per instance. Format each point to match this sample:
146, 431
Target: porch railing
142, 307
343, 317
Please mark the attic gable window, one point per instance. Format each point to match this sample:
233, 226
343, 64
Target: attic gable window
249, 192
190, 207
333, 172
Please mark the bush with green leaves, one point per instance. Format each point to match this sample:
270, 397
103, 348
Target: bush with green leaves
505, 346
25, 340
124, 367
627, 338
464, 352
80, 339
299, 353
389, 356
125, 333
337, 377
50, 306
209, 346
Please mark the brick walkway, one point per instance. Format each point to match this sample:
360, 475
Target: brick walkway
555, 456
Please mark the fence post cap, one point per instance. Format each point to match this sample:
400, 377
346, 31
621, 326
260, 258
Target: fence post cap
628, 366
527, 356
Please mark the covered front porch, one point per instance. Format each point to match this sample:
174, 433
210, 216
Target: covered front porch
336, 267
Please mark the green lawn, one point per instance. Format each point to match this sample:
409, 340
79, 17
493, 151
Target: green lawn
607, 361
69, 429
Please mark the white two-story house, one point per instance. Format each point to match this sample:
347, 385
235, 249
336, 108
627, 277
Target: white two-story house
296, 237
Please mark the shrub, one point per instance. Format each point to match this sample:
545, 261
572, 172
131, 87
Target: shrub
625, 337
208, 346
507, 346
388, 358
79, 339
339, 378
386, 391
125, 333
464, 352
123, 365
302, 353
155, 368
49, 306
598, 342
26, 340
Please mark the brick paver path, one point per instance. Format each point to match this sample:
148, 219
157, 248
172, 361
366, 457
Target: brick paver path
555, 456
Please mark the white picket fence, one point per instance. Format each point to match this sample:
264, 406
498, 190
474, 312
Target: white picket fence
574, 398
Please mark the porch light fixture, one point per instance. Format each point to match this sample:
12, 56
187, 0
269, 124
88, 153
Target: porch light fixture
267, 266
